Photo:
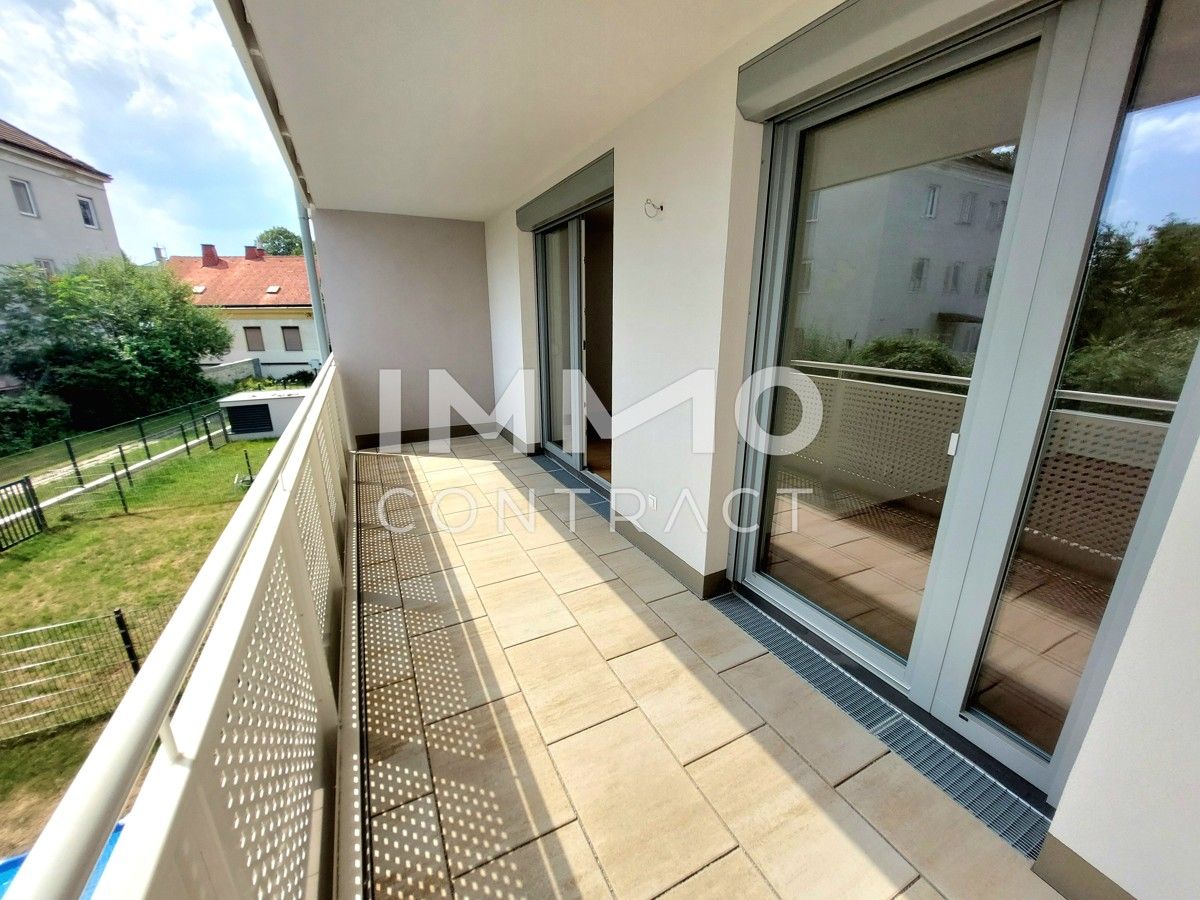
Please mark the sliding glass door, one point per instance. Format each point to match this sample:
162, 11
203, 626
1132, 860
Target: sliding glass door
561, 356
995, 397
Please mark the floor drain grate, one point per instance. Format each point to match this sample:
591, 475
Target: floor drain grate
1020, 824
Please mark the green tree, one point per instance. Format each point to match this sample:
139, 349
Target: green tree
280, 241
912, 353
110, 339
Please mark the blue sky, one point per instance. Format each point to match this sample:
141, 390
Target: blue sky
1157, 172
151, 92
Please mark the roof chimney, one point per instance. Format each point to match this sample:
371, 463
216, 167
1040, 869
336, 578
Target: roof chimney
208, 256
252, 252
160, 253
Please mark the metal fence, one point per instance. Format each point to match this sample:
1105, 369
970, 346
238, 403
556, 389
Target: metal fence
70, 672
20, 513
73, 463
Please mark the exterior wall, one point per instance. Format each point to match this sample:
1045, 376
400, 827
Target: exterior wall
405, 293
275, 360
1129, 805
681, 285
58, 232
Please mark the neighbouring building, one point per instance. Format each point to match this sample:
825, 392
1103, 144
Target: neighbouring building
263, 299
53, 208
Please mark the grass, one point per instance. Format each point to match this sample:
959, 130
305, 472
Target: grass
33, 775
94, 557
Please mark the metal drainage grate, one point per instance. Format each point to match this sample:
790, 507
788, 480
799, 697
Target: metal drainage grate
970, 787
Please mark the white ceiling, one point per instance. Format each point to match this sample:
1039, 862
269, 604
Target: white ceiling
454, 107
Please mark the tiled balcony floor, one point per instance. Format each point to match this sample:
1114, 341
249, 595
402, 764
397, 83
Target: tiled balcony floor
550, 714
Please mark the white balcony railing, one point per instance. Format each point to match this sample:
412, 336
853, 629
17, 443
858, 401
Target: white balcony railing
233, 802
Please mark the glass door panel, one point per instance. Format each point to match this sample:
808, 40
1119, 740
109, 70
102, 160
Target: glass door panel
899, 215
558, 334
1136, 329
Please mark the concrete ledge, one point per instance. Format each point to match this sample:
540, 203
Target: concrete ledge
701, 585
1073, 876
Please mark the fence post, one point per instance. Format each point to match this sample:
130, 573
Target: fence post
74, 462
207, 433
145, 446
117, 482
125, 463
31, 496
192, 415
249, 468
186, 445
127, 640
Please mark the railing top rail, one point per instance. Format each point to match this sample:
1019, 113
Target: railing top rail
66, 852
1150, 403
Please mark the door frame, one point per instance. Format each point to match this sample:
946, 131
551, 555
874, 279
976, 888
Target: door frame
1085, 68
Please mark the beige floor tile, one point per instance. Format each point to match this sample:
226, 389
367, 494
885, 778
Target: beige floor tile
539, 530
561, 505
375, 547
802, 836
568, 685
472, 526
524, 466
920, 890
615, 618
440, 599
380, 582
448, 478
570, 566
718, 641
648, 824
689, 705
449, 500
459, 668
496, 560
828, 739
542, 483
559, 865
499, 479
395, 746
496, 786
648, 580
385, 649
406, 847
524, 608
600, 536
733, 875
954, 851
514, 502
421, 554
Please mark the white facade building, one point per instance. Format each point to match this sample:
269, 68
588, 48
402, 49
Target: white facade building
53, 207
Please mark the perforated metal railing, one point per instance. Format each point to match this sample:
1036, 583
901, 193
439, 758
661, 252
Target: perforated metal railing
233, 804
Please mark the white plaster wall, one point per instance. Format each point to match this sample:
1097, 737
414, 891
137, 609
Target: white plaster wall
407, 293
1129, 804
681, 282
276, 361
57, 232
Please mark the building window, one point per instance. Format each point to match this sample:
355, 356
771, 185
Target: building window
291, 338
804, 276
254, 338
46, 265
920, 271
966, 208
23, 191
983, 281
814, 201
952, 280
87, 210
996, 210
931, 201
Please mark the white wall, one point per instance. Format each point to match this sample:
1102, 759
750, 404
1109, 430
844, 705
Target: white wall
57, 232
1129, 804
404, 293
681, 282
275, 360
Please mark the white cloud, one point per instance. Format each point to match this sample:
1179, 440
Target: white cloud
42, 97
1175, 128
149, 217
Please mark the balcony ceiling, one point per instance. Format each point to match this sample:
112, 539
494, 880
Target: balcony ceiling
454, 108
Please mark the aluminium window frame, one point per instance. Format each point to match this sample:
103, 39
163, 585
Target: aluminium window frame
1083, 74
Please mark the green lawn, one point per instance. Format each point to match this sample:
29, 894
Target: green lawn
94, 557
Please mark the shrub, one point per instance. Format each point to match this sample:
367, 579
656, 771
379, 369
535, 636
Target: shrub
30, 419
911, 353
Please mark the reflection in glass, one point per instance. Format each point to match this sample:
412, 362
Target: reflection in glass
1135, 335
556, 255
901, 207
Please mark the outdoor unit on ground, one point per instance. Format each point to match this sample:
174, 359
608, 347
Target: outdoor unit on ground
260, 414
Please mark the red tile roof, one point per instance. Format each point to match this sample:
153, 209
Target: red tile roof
236, 281
15, 137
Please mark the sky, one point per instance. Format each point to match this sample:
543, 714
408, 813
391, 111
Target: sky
151, 92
